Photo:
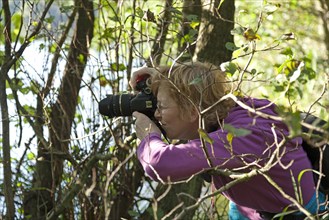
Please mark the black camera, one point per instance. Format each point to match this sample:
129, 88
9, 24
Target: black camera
125, 104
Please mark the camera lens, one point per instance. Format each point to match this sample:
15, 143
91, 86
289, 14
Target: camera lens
126, 104
116, 105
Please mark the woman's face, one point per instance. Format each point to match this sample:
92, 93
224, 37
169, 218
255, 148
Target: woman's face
168, 115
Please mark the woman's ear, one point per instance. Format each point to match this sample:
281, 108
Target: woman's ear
194, 115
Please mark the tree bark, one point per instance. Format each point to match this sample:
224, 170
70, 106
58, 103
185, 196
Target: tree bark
8, 188
49, 167
324, 17
160, 38
215, 31
190, 8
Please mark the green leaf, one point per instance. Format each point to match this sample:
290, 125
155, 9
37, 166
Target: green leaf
238, 31
192, 17
288, 52
231, 46
196, 81
300, 175
175, 11
194, 24
16, 19
237, 53
139, 12
30, 156
66, 9
237, 132
41, 46
229, 138
190, 37
10, 96
117, 67
204, 135
251, 35
53, 48
50, 19
133, 213
292, 120
229, 67
81, 58
271, 8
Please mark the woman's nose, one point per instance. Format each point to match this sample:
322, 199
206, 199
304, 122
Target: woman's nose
157, 114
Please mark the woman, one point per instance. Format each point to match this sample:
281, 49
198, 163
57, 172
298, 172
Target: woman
241, 138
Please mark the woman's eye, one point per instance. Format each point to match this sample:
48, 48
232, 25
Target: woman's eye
160, 107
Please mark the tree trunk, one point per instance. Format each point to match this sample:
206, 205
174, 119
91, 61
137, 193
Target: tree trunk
7, 179
324, 17
160, 38
215, 32
190, 9
49, 167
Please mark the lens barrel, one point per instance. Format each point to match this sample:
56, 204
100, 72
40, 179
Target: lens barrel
126, 104
116, 105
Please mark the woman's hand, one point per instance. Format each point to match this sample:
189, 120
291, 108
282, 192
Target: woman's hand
140, 72
144, 125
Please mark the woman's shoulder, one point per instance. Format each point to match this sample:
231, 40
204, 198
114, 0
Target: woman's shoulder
251, 104
248, 109
256, 102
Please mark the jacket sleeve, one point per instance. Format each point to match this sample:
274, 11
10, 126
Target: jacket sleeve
169, 163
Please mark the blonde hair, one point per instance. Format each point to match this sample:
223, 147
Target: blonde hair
196, 84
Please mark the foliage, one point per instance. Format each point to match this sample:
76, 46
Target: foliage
282, 54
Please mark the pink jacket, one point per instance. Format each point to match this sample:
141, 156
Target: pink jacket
169, 163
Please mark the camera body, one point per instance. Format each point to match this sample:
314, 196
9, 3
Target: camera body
125, 104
